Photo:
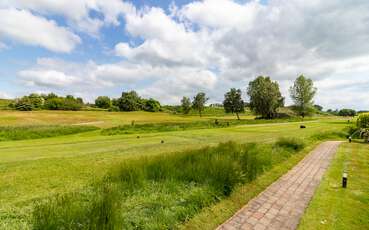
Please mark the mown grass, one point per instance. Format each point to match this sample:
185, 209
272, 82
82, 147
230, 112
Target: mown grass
36, 132
181, 126
164, 191
336, 208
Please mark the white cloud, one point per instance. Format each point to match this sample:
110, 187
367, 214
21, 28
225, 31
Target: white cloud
48, 78
214, 45
27, 28
77, 13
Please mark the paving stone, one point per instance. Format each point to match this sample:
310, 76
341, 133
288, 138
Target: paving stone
283, 203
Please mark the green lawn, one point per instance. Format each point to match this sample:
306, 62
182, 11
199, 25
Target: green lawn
334, 207
34, 169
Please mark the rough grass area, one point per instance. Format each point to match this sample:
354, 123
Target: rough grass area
164, 191
334, 207
329, 135
36, 132
181, 126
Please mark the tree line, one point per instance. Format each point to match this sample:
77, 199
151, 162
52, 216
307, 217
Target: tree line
49, 101
264, 100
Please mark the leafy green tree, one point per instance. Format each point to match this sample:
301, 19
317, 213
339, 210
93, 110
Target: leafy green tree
36, 100
233, 102
302, 93
151, 105
186, 105
129, 101
347, 113
103, 102
265, 97
199, 101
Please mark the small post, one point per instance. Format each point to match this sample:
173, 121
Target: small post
350, 139
344, 180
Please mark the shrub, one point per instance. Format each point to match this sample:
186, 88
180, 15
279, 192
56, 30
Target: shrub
151, 105
24, 104
363, 120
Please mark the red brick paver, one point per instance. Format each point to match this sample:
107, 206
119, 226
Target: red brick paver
282, 204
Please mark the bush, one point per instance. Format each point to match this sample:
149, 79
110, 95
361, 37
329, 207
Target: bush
151, 105
363, 120
61, 103
24, 104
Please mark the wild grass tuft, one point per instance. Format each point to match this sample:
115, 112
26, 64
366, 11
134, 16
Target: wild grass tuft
290, 142
161, 192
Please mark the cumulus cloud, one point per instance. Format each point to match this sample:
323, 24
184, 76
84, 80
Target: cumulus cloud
79, 13
214, 45
23, 26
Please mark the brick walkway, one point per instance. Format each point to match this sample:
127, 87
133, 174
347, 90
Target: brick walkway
282, 204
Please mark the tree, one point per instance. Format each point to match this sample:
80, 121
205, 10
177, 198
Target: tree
318, 108
302, 93
347, 113
129, 101
233, 102
151, 105
265, 97
186, 105
103, 102
36, 100
199, 102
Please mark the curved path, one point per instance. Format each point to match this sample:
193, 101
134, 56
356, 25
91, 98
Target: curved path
282, 204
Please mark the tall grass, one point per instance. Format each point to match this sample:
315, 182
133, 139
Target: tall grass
35, 132
180, 126
161, 192
333, 135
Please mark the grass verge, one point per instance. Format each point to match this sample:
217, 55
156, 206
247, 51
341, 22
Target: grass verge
334, 207
36, 132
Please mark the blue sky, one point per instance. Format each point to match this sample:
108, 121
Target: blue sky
168, 49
